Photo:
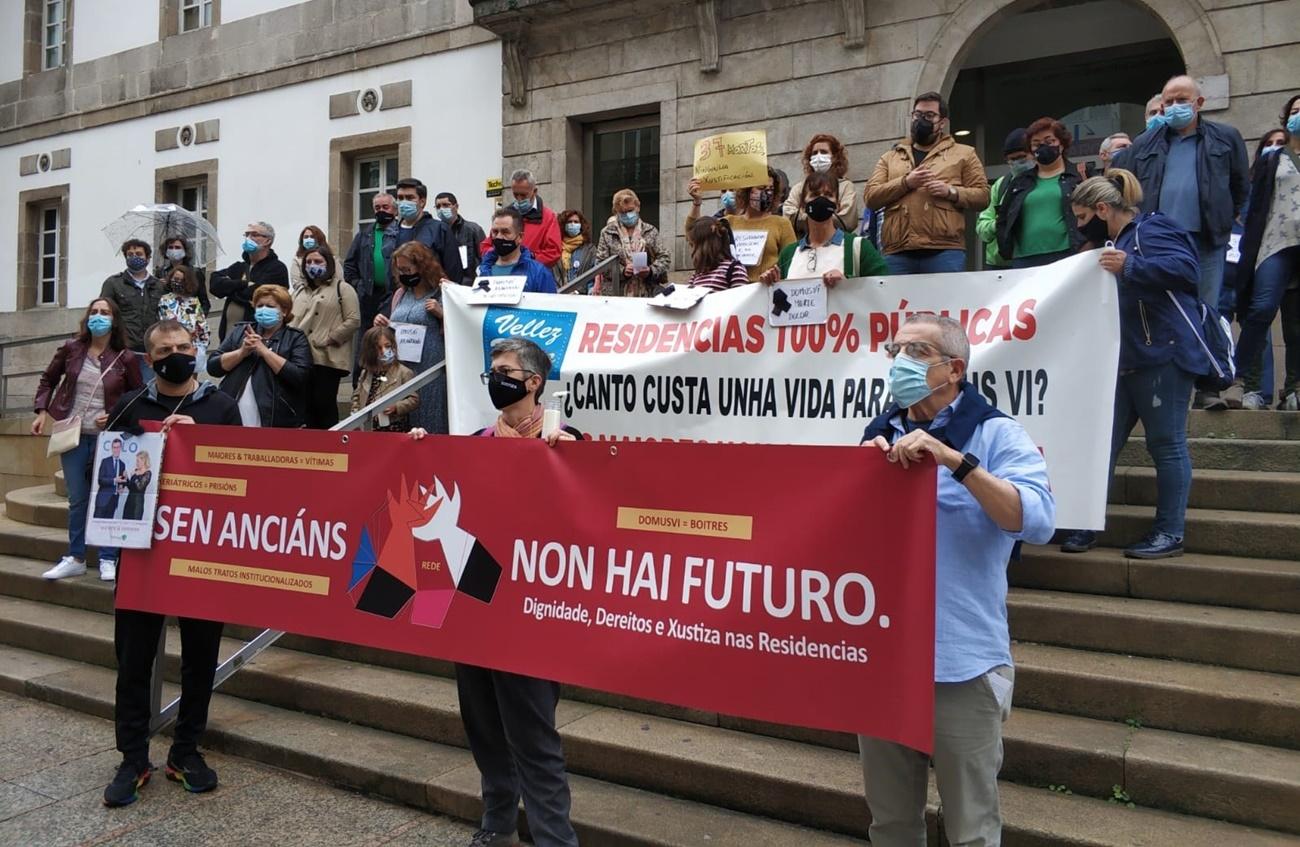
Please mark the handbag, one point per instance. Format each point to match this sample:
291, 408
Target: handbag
66, 434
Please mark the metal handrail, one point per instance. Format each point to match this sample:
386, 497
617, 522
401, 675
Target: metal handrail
5, 377
589, 274
361, 420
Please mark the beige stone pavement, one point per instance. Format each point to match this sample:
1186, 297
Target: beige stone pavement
54, 764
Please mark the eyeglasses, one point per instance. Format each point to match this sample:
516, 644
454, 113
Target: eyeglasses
1034, 145
914, 350
503, 371
812, 259
932, 117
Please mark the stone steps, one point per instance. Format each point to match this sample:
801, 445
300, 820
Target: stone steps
1239, 582
1261, 425
1218, 532
1249, 491
742, 772
1228, 454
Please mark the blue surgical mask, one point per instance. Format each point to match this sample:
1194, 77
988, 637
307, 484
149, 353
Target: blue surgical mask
99, 325
523, 205
309, 243
316, 271
137, 263
629, 218
728, 199
387, 356
1272, 148
250, 246
572, 229
1179, 115
407, 209
907, 380
266, 316
1156, 121
1293, 124
446, 213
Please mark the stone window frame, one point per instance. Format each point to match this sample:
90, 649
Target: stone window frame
31, 206
34, 38
167, 183
170, 17
345, 151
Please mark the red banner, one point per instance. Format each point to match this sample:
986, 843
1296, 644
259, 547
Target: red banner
780, 583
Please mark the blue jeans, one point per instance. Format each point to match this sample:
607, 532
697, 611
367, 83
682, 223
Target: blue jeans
1158, 397
77, 464
926, 262
1258, 378
1040, 260
1212, 261
1271, 279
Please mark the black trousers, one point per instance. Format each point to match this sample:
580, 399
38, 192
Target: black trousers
135, 638
510, 721
323, 396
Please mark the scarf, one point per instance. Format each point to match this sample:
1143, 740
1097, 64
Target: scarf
571, 244
529, 427
633, 243
955, 432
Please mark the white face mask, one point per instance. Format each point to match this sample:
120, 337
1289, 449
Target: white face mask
820, 162
1271, 148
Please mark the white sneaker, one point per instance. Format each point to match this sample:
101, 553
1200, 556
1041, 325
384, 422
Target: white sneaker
67, 566
107, 570
1253, 401
1291, 403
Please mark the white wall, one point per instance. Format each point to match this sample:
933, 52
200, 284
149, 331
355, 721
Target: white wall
11, 40
233, 10
104, 27
274, 158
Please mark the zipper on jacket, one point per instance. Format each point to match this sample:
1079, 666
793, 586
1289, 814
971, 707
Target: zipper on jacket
1146, 327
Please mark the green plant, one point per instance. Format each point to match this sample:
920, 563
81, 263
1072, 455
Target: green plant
1060, 789
1120, 797
1134, 723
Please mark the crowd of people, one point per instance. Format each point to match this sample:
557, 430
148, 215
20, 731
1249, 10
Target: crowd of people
1184, 219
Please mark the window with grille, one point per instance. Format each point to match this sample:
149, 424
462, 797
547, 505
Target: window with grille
47, 280
53, 33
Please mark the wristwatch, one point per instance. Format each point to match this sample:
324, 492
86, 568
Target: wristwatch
968, 464
952, 194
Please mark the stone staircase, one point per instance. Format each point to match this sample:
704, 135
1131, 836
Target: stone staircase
1172, 685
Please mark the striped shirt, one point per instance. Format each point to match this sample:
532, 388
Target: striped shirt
727, 275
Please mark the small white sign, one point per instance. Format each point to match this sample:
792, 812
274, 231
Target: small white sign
410, 341
639, 262
679, 296
749, 245
797, 303
1234, 249
497, 290
464, 257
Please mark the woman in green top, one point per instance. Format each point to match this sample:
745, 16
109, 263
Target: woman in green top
826, 252
1035, 225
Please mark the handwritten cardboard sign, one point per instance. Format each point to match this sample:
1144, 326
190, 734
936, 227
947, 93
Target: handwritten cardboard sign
800, 302
732, 160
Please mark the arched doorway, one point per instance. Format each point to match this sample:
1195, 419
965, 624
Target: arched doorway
1091, 63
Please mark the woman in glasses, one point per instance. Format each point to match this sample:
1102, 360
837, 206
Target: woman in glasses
826, 252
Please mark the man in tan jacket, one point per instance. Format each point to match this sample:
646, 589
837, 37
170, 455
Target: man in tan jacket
925, 186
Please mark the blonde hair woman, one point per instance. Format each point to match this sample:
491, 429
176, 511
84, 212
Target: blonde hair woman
644, 258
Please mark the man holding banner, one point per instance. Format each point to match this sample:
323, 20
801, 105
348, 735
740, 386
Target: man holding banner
993, 492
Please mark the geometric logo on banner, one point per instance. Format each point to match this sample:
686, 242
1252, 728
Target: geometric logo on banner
413, 558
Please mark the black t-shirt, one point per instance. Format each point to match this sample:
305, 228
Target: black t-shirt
918, 155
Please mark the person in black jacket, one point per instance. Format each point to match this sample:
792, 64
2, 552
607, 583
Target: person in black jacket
176, 252
265, 363
1035, 225
259, 266
368, 266
176, 397
467, 235
415, 224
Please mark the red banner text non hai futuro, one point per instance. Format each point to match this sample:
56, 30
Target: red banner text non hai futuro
789, 584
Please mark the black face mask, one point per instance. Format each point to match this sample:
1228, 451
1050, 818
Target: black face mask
409, 280
820, 209
175, 287
1047, 154
176, 368
504, 390
504, 246
383, 219
922, 131
1095, 230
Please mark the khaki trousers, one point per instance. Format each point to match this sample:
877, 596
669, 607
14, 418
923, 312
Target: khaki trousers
968, 720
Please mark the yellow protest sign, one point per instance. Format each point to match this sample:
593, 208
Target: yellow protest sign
732, 160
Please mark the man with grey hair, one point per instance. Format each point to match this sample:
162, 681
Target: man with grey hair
1155, 111
541, 229
1196, 172
993, 492
1110, 145
258, 266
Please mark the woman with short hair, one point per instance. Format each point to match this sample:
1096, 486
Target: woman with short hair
824, 154
264, 363
644, 260
1035, 226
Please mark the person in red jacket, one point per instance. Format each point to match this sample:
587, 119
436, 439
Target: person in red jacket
541, 230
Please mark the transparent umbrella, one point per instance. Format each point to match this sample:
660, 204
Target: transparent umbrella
157, 222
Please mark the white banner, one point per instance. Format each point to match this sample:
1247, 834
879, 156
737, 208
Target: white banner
1044, 348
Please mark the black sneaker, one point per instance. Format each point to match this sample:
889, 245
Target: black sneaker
1079, 541
125, 787
1157, 545
488, 838
191, 771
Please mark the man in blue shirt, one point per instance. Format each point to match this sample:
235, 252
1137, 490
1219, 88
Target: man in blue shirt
993, 492
508, 256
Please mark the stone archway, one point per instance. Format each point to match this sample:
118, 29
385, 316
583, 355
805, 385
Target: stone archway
1188, 24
